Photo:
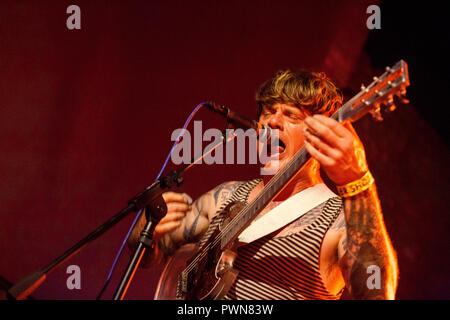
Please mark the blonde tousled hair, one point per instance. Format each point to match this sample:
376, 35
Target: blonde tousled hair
307, 90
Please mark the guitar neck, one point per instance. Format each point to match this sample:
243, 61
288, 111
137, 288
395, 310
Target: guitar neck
272, 189
274, 186
381, 90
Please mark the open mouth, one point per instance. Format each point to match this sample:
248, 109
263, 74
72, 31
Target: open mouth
280, 147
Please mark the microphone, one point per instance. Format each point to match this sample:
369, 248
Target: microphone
236, 119
264, 134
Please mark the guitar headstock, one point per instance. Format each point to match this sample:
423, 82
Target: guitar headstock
382, 91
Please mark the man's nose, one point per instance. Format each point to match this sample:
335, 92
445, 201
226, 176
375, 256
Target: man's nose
275, 121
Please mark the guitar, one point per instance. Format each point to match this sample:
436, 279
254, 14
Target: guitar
209, 273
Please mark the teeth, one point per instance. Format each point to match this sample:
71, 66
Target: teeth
279, 143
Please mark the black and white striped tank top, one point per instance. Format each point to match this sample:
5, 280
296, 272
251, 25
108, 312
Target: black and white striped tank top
285, 267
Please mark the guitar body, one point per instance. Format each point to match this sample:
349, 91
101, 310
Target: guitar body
167, 285
206, 275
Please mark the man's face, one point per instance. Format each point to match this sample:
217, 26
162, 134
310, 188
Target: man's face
289, 120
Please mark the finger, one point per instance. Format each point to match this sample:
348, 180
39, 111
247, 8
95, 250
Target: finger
166, 227
173, 216
338, 128
324, 160
322, 131
178, 206
171, 196
322, 146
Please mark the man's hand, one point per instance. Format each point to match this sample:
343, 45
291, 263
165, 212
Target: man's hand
337, 148
366, 242
178, 204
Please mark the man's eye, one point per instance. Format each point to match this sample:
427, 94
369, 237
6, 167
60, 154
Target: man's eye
293, 116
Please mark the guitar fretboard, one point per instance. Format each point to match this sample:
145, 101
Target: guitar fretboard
275, 185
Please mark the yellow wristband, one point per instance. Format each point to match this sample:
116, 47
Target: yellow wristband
355, 187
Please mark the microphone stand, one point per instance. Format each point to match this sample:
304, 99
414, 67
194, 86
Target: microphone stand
153, 212
150, 199
157, 208
150, 196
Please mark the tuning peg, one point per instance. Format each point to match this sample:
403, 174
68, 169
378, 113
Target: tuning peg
364, 88
404, 100
390, 100
376, 114
390, 106
402, 96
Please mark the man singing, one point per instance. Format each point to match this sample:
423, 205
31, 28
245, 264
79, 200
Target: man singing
318, 242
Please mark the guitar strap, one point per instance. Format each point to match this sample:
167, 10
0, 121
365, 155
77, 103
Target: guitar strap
288, 211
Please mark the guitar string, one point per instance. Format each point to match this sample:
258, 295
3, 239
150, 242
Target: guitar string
300, 154
204, 251
237, 218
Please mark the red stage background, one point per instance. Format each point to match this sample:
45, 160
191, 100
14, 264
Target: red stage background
87, 116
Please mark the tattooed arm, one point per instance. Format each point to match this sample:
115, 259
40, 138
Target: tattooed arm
366, 243
185, 222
